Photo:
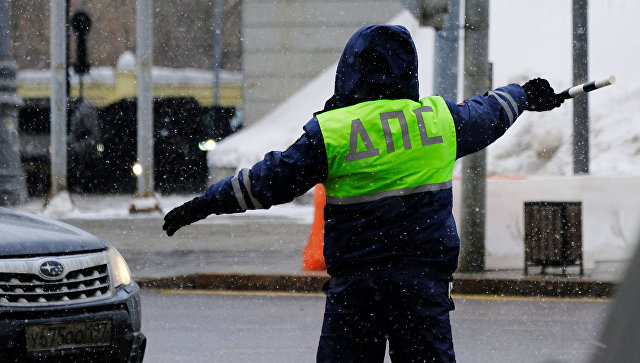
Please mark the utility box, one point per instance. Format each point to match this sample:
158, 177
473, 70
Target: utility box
553, 235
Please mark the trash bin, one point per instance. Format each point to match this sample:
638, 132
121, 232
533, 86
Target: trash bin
553, 235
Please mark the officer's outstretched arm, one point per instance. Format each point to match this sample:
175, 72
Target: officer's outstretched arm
277, 179
481, 120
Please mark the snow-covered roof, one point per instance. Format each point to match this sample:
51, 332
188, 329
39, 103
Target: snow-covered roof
127, 63
103, 75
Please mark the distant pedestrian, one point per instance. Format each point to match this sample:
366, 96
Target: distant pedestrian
386, 158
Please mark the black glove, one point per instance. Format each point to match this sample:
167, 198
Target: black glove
540, 96
191, 211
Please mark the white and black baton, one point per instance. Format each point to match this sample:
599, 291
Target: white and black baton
586, 87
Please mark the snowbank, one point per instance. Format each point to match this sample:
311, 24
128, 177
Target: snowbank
526, 41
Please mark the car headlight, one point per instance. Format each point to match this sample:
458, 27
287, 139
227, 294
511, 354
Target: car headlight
119, 268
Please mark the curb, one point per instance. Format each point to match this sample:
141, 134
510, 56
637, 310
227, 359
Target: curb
543, 286
247, 282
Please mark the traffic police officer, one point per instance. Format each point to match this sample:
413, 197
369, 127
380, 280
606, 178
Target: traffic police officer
385, 157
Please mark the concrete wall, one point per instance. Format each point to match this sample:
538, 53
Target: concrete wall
610, 215
286, 43
182, 32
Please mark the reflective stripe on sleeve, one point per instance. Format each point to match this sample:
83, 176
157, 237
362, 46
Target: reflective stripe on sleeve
247, 184
390, 193
235, 184
504, 105
513, 102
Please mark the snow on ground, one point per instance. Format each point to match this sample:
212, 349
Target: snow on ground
59, 204
530, 38
541, 143
117, 206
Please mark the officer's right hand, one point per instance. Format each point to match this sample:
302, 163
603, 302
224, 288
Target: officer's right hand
540, 95
189, 212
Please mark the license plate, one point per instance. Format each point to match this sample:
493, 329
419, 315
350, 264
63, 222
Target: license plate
68, 335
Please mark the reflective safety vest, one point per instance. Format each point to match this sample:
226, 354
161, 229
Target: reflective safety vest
386, 148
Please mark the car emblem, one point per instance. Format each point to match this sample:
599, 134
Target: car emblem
51, 269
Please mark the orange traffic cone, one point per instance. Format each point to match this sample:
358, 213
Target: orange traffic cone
312, 256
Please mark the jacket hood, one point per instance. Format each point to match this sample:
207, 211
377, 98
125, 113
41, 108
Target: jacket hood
378, 62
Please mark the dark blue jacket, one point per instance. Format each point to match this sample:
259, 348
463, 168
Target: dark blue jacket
417, 230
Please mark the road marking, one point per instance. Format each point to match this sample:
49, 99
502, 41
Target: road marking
238, 292
454, 296
530, 298
275, 350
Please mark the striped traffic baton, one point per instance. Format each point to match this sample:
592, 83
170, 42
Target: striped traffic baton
586, 87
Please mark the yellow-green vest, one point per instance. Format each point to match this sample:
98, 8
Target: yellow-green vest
383, 148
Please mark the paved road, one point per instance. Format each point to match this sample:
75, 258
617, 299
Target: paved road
263, 327
247, 244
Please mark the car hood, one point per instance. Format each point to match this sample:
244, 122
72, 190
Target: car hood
24, 234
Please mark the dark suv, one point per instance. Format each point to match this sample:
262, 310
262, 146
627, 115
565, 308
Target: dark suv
65, 295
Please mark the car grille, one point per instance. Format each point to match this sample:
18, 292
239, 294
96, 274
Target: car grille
78, 285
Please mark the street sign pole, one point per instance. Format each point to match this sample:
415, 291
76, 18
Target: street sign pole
144, 200
58, 99
580, 75
13, 187
217, 51
477, 80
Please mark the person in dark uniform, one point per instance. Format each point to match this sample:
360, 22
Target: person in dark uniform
385, 157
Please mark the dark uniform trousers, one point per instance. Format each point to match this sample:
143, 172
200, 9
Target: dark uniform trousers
405, 307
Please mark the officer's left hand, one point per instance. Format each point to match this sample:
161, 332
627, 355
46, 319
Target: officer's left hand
191, 211
540, 95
